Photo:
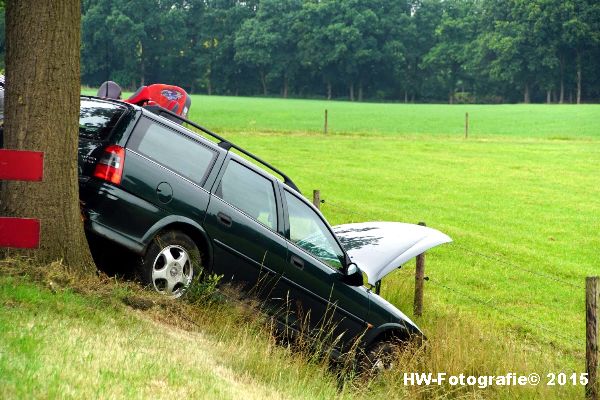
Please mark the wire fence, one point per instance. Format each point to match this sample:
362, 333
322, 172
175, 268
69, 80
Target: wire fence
549, 333
515, 266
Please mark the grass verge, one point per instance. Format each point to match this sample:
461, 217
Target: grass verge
63, 336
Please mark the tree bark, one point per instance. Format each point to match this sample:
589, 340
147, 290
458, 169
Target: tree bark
578, 78
263, 82
352, 91
209, 87
285, 86
562, 80
42, 113
328, 90
526, 99
548, 96
451, 98
142, 66
360, 91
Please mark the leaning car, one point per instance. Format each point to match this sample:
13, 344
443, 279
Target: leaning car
187, 201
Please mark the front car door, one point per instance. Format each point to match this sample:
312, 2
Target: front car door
318, 297
244, 223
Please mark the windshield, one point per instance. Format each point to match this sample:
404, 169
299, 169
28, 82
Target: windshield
97, 119
309, 232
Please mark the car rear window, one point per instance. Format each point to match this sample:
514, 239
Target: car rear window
97, 119
174, 150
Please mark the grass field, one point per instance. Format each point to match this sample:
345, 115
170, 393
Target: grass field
519, 198
521, 206
235, 114
276, 115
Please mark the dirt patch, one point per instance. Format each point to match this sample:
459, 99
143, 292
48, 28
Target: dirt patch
138, 303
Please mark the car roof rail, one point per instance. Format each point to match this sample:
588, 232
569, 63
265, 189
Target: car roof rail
223, 143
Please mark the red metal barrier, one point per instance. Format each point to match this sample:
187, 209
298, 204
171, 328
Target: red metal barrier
19, 165
22, 233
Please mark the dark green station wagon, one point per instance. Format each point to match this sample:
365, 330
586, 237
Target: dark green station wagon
184, 201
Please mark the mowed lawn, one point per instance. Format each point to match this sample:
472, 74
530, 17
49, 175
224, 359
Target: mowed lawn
235, 114
277, 115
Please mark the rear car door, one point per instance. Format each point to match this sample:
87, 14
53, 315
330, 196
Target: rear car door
319, 299
244, 222
164, 173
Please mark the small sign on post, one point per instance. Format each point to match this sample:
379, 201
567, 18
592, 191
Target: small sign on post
20, 165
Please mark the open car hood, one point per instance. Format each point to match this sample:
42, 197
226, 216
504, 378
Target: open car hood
378, 248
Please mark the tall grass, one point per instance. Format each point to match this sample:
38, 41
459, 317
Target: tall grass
97, 337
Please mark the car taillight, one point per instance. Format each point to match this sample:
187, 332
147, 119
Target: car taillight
110, 165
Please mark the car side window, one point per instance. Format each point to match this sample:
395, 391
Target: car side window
174, 150
250, 192
309, 232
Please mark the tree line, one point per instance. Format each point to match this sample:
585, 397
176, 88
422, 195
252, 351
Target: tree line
488, 51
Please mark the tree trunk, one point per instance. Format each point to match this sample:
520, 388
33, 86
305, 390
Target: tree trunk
526, 99
263, 82
451, 98
578, 78
352, 92
42, 113
548, 96
285, 86
405, 97
208, 75
328, 90
142, 66
360, 91
562, 81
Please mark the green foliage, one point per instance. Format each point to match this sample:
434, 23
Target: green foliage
412, 50
204, 291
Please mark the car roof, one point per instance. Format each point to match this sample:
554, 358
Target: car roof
257, 166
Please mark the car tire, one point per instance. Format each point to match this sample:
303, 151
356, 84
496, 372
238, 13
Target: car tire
170, 264
379, 357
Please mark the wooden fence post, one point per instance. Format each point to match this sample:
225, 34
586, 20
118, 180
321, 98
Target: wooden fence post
419, 278
466, 125
317, 198
591, 323
326, 123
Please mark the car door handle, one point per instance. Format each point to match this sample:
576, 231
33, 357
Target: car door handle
224, 219
297, 262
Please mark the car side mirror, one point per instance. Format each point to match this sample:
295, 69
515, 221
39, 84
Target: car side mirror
354, 276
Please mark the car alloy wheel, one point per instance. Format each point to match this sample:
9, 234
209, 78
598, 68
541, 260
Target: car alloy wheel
170, 264
172, 271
